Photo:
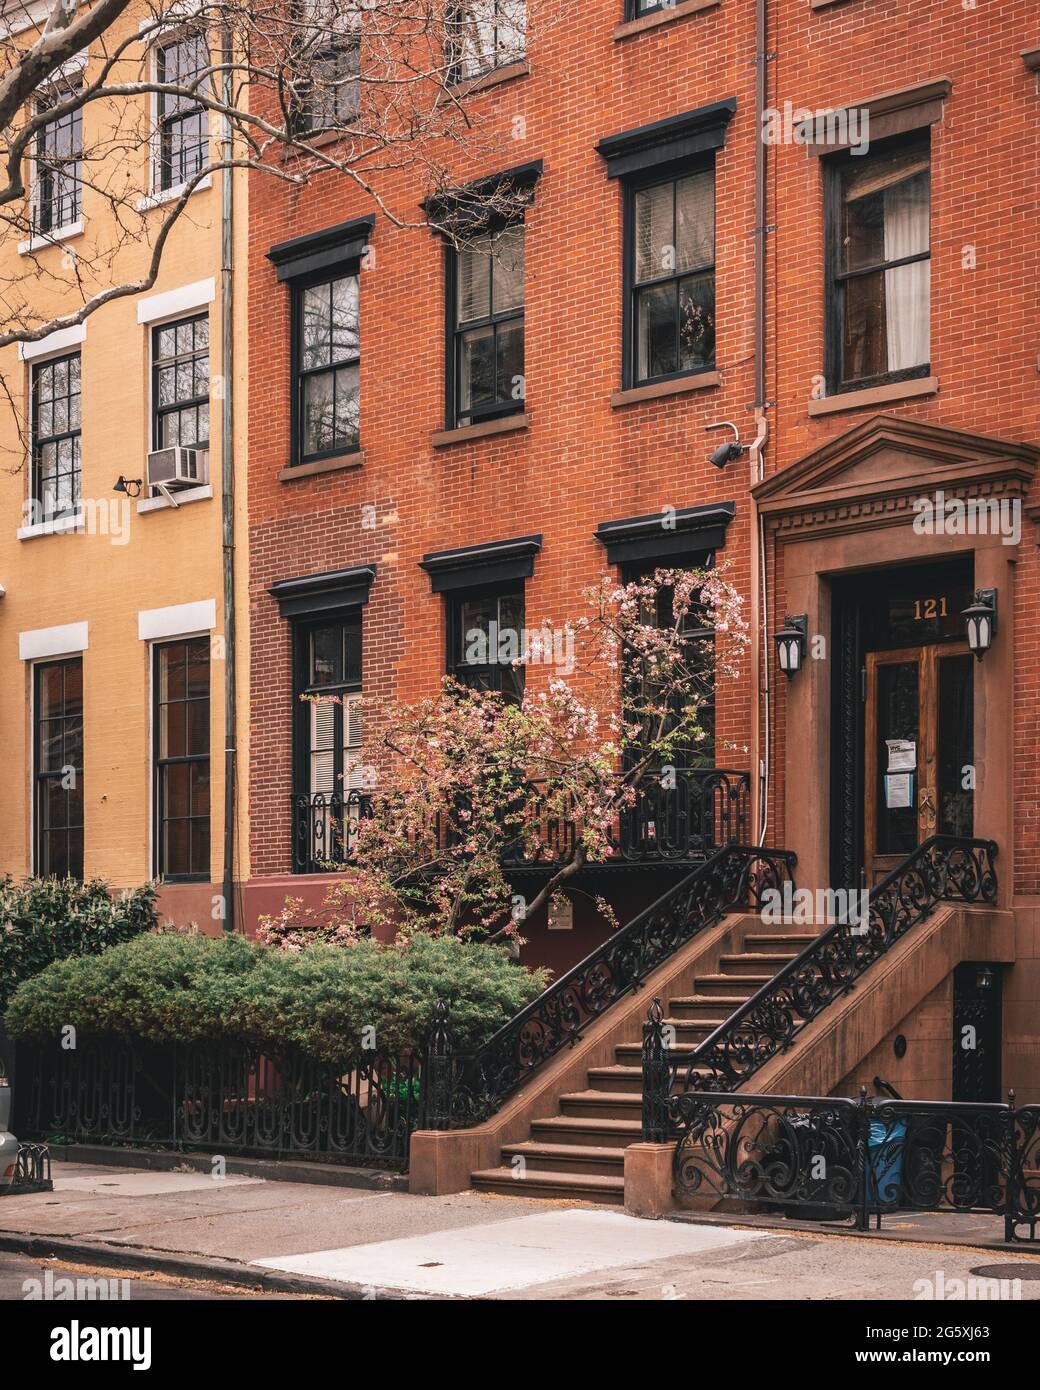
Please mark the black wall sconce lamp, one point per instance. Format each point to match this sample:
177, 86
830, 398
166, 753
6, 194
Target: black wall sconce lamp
985, 978
790, 643
980, 619
131, 486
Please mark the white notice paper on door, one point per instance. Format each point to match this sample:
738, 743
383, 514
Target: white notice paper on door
902, 754
898, 790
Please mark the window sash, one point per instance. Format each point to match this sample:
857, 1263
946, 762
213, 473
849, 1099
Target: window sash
57, 197
185, 406
58, 848
183, 125
47, 441
182, 855
504, 403
341, 361
484, 35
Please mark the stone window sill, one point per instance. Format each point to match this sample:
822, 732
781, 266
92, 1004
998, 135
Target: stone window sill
44, 239
292, 471
58, 526
630, 27
170, 195
633, 395
471, 85
875, 395
161, 503
441, 439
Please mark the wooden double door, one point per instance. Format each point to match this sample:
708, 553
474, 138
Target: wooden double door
919, 771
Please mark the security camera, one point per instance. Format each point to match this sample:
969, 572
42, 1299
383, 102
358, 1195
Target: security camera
732, 449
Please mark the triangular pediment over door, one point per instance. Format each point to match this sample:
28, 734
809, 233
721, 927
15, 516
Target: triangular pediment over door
873, 473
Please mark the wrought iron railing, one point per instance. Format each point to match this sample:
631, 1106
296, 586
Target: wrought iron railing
681, 816
224, 1099
323, 828
466, 1087
943, 868
825, 1157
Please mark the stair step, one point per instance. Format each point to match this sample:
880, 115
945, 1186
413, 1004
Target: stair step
731, 985
605, 1105
575, 1129
707, 1007
626, 1078
770, 941
757, 965
570, 1158
631, 1054
590, 1187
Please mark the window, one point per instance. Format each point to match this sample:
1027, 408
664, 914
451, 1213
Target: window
635, 9
183, 124
181, 780
329, 776
485, 637
59, 147
180, 383
487, 354
483, 35
331, 94
671, 270
880, 274
328, 368
58, 765
56, 437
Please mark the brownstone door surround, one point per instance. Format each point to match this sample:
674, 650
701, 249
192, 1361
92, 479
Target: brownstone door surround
847, 511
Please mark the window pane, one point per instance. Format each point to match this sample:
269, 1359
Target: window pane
177, 790
908, 315
656, 328
695, 220
474, 261
510, 361
508, 270
654, 228
477, 369
327, 655
885, 203
347, 408
696, 322
316, 327
318, 413
344, 324
864, 350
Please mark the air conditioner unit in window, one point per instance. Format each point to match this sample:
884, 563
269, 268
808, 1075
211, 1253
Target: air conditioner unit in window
178, 467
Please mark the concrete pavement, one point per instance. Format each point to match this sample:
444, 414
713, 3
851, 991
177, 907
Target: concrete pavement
371, 1243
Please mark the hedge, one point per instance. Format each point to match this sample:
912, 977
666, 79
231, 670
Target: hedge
332, 1002
47, 919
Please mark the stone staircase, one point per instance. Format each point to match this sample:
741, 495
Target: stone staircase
580, 1151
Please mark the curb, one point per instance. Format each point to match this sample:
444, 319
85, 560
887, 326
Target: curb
197, 1267
273, 1170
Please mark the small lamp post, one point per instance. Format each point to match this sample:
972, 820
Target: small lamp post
980, 619
790, 643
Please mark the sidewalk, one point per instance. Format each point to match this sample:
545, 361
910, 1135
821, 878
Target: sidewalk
365, 1244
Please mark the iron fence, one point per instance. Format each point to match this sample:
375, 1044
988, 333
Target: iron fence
826, 1157
224, 1099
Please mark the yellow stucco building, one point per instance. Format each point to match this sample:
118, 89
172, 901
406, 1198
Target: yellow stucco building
114, 653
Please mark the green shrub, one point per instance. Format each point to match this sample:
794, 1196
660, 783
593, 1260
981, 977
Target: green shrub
47, 919
168, 988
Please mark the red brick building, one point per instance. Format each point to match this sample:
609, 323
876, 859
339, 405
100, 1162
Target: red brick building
856, 293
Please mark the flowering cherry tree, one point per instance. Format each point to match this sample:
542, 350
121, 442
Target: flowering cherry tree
466, 782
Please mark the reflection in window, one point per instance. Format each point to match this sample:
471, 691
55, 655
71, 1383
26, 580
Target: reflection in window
673, 277
483, 35
180, 383
183, 122
486, 637
182, 785
56, 437
489, 317
882, 283
58, 764
328, 368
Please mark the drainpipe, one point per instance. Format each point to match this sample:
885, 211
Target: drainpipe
227, 501
761, 732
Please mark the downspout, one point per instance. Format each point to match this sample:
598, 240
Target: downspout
760, 655
227, 463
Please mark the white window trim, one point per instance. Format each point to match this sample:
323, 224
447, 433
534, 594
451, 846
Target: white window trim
44, 643
179, 620
166, 34
52, 238
54, 344
57, 526
172, 304
161, 503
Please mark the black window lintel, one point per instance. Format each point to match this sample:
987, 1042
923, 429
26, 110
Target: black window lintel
669, 141
317, 594
667, 536
467, 207
332, 249
474, 566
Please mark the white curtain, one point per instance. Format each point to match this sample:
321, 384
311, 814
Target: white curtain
908, 287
